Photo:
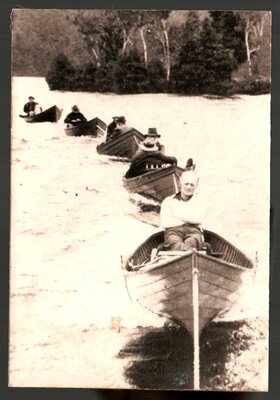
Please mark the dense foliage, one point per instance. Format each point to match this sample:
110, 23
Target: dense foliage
133, 51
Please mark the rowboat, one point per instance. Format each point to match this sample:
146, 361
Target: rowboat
50, 115
192, 287
94, 127
164, 285
124, 145
156, 183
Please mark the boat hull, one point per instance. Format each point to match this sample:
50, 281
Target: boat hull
94, 127
124, 145
158, 183
52, 114
165, 287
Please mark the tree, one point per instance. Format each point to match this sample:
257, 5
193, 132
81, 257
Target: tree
40, 35
158, 28
253, 23
61, 74
129, 74
228, 29
203, 62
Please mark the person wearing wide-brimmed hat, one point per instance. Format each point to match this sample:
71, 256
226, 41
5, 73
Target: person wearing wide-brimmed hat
150, 143
75, 117
31, 108
111, 128
149, 155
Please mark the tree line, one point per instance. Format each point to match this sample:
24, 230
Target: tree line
135, 51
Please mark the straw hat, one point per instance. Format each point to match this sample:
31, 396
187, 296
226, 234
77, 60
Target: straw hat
148, 147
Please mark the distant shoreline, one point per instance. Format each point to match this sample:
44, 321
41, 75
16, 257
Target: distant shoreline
225, 89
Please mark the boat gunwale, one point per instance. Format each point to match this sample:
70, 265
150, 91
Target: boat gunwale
143, 269
33, 118
173, 259
172, 169
77, 128
119, 139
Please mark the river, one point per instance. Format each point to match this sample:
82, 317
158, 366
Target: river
71, 221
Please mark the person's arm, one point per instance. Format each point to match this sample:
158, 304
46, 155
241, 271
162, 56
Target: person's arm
26, 108
166, 214
192, 211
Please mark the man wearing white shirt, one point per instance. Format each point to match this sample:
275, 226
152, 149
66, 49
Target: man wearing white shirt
181, 215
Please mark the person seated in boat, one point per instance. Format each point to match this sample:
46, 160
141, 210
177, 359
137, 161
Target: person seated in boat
151, 140
111, 128
121, 128
148, 159
75, 117
182, 215
32, 108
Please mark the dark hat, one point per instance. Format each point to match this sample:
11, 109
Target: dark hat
31, 98
121, 119
115, 117
75, 108
152, 132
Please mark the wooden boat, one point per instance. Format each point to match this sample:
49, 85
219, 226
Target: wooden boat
124, 145
165, 285
50, 115
94, 127
157, 183
191, 287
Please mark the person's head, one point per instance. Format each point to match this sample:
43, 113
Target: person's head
152, 136
115, 119
121, 120
188, 184
75, 109
31, 99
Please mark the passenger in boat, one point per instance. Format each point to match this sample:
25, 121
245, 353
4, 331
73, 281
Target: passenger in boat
111, 128
121, 128
32, 108
151, 140
149, 158
182, 215
75, 117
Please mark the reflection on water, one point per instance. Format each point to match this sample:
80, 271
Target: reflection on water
163, 357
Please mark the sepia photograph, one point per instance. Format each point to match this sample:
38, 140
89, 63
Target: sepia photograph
140, 199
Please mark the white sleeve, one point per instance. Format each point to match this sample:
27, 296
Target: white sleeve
165, 213
193, 211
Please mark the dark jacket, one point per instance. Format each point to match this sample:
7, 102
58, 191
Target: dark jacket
139, 164
30, 106
73, 116
111, 128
